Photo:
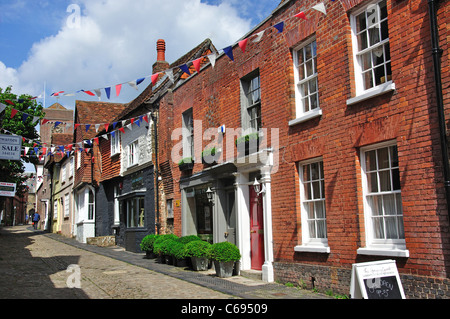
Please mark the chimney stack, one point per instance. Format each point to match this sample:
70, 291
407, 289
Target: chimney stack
161, 64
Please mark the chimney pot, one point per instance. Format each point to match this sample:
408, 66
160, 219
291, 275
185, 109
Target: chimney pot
161, 50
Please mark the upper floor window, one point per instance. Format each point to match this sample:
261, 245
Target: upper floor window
251, 102
371, 46
188, 134
115, 143
306, 85
63, 173
71, 166
133, 155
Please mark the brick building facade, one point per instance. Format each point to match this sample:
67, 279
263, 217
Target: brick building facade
349, 162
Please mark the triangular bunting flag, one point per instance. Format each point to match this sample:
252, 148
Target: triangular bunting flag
130, 127
196, 64
106, 127
145, 118
169, 74
301, 15
139, 81
118, 88
97, 127
98, 93
96, 140
87, 127
243, 45
88, 93
122, 130
133, 84
229, 52
154, 78
114, 125
185, 69
279, 26
2, 107
44, 121
24, 117
212, 59
108, 92
13, 112
259, 36
320, 7
105, 136
76, 125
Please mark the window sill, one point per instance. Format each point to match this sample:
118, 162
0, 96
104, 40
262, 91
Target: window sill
305, 117
378, 90
383, 252
312, 249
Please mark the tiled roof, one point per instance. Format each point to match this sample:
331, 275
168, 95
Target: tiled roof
88, 112
148, 92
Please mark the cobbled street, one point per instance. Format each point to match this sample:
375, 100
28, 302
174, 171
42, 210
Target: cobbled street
39, 265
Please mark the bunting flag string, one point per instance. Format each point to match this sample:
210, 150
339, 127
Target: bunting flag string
45, 150
320, 7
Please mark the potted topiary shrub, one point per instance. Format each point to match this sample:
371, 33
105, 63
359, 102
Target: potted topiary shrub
178, 252
248, 144
186, 164
224, 255
198, 251
159, 248
147, 245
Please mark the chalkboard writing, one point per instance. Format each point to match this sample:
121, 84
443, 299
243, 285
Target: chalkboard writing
376, 280
382, 288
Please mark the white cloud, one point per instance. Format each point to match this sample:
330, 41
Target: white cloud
116, 42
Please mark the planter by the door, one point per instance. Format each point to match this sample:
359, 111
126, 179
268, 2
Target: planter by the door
199, 263
180, 262
169, 260
161, 259
150, 254
224, 269
237, 268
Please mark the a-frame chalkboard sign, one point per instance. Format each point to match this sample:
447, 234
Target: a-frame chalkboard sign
376, 280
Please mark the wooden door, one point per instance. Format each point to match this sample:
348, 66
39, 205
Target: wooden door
256, 230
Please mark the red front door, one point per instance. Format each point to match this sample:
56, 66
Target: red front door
256, 230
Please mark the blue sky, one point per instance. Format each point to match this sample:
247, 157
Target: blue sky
113, 42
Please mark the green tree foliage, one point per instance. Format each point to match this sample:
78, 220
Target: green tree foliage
12, 171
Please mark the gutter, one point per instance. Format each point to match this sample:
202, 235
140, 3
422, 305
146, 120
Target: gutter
437, 53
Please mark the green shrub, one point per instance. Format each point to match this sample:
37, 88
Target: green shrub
159, 247
189, 238
147, 242
186, 160
247, 138
177, 250
225, 251
198, 248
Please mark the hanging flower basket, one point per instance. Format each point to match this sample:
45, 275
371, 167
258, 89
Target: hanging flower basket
186, 164
247, 144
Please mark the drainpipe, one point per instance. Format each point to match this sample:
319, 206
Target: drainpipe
437, 53
156, 170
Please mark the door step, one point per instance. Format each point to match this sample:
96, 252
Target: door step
251, 274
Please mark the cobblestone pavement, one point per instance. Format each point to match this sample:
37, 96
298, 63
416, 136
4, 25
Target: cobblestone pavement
34, 264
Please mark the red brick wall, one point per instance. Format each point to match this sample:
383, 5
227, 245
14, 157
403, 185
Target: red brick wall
407, 115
